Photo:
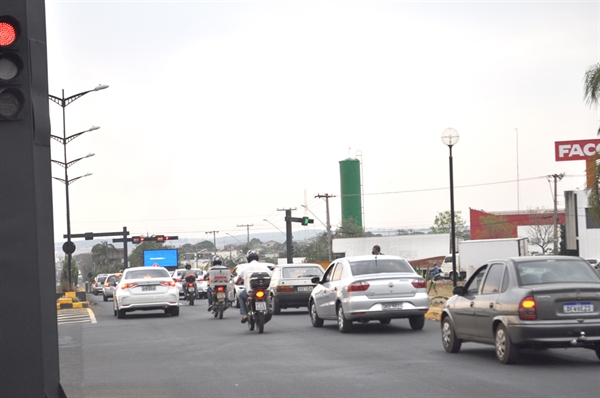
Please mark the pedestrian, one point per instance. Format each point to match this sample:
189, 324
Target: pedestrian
376, 250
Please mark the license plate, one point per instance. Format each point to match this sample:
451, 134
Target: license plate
391, 306
305, 288
261, 306
148, 288
575, 308
220, 295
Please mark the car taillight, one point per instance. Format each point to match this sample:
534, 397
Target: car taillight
527, 309
259, 294
419, 283
106, 284
178, 280
220, 288
285, 289
358, 286
128, 285
168, 283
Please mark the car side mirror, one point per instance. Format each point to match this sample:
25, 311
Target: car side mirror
316, 279
458, 290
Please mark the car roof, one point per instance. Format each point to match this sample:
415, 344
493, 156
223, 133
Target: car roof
298, 265
371, 257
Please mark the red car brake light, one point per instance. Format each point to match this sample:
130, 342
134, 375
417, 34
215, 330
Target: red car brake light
419, 283
168, 283
286, 289
128, 285
527, 309
358, 286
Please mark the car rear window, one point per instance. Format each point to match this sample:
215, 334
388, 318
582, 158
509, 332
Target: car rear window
380, 266
555, 271
147, 273
301, 272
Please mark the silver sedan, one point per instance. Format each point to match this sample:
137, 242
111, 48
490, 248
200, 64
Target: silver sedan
525, 302
369, 288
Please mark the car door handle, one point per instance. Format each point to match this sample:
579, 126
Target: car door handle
472, 304
491, 305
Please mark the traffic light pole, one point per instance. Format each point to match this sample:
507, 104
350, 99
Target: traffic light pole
92, 235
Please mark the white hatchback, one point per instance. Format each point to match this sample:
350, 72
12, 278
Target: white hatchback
145, 289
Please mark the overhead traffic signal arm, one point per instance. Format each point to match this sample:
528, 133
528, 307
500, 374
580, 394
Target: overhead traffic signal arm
302, 220
157, 238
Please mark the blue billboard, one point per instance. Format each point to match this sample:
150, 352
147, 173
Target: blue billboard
161, 258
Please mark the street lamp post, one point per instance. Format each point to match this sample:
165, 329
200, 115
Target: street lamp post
69, 247
450, 138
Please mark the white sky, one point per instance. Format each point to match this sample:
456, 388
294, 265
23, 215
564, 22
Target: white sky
220, 113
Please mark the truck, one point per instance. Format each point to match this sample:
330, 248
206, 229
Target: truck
473, 253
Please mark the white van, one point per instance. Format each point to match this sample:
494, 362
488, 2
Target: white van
446, 267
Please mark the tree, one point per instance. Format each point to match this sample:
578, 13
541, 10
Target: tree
592, 96
443, 223
64, 275
496, 227
136, 258
102, 253
540, 231
349, 229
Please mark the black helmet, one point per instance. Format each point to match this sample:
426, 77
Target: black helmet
217, 260
252, 255
187, 266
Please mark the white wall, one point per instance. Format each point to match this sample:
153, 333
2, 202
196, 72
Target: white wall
410, 247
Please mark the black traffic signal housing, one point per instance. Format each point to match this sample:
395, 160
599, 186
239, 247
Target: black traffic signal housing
13, 61
158, 238
306, 221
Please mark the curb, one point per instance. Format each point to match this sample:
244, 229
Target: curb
67, 302
433, 315
61, 306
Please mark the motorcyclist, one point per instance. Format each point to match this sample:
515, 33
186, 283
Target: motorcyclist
435, 271
190, 276
217, 261
252, 266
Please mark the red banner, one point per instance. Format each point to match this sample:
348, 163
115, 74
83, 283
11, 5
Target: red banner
576, 150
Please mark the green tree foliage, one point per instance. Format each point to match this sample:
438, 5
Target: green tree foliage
314, 250
349, 229
64, 275
591, 89
102, 255
442, 223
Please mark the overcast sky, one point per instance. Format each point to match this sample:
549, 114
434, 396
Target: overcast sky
220, 113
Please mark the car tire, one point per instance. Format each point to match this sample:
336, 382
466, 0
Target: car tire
314, 318
114, 309
105, 298
95, 293
276, 306
598, 350
450, 342
506, 351
417, 322
121, 314
344, 325
174, 311
385, 321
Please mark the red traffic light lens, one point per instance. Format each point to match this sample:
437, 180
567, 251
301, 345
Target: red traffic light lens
8, 34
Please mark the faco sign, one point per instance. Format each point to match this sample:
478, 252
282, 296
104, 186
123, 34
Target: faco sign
576, 150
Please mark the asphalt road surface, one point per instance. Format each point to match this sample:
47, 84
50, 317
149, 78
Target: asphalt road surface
150, 354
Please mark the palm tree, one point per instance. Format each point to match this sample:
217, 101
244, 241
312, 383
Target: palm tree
101, 254
592, 97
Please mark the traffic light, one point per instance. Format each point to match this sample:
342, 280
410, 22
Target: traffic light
13, 59
157, 238
137, 239
306, 221
160, 238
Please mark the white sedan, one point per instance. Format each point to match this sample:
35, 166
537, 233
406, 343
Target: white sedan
145, 289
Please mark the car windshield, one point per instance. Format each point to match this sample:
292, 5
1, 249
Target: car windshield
555, 271
302, 272
147, 273
379, 266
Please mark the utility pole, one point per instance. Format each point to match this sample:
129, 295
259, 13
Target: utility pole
328, 226
247, 231
556, 177
214, 238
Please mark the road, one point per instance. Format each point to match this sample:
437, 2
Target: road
151, 354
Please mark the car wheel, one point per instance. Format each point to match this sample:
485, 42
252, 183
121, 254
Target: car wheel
451, 343
506, 351
95, 293
598, 350
385, 321
276, 306
115, 309
344, 325
314, 318
174, 311
105, 298
417, 322
121, 314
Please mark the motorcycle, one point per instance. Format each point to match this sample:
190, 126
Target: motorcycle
190, 292
218, 301
257, 305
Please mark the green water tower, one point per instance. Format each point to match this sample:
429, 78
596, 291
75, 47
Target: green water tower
350, 188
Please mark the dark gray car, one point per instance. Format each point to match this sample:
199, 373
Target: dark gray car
525, 302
